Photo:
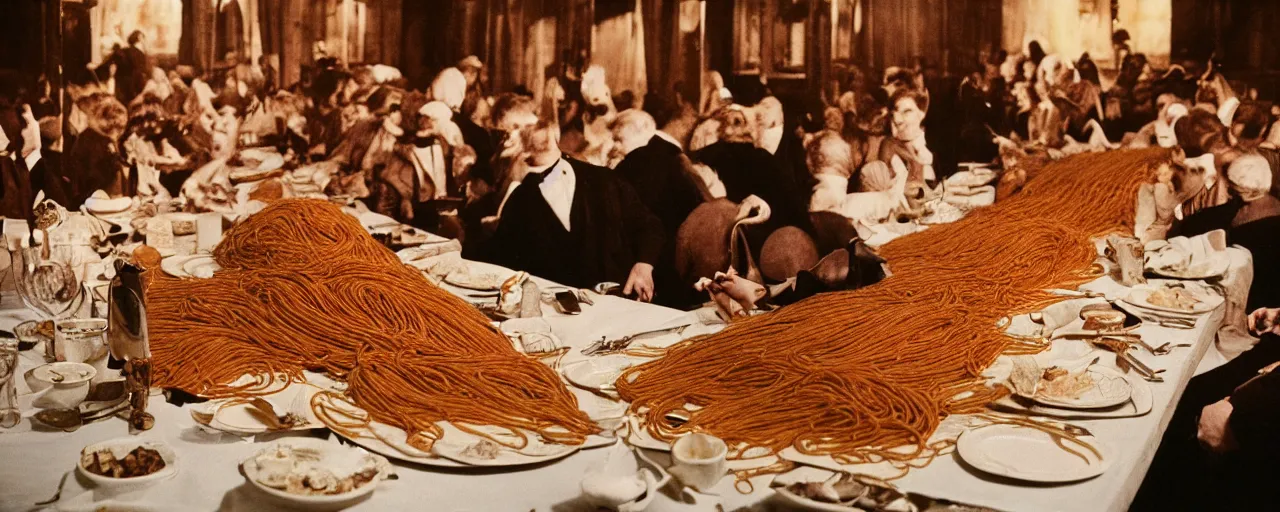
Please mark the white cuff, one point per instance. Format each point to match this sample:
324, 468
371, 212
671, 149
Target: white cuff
33, 159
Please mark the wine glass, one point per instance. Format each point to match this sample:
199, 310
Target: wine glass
46, 285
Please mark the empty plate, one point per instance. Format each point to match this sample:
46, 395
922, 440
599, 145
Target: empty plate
598, 374
1025, 453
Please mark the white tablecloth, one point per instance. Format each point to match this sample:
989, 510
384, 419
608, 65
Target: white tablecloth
32, 462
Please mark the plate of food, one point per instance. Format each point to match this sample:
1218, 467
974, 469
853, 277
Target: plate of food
1093, 388
315, 474
127, 463
479, 276
1032, 454
31, 332
842, 492
1173, 297
284, 411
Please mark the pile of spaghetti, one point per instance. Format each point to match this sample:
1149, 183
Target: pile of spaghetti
868, 375
304, 287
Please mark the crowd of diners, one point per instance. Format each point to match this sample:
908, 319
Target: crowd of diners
583, 185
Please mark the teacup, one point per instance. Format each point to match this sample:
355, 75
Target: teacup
82, 340
699, 460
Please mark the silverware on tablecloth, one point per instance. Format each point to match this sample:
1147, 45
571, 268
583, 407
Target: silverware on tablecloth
1143, 370
57, 495
607, 346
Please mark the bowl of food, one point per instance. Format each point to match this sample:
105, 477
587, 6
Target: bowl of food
313, 474
127, 463
60, 385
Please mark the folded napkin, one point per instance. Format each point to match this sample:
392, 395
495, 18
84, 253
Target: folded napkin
1199, 255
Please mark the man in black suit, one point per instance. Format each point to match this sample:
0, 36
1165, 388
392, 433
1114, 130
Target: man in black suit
785, 146
132, 68
450, 88
654, 165
576, 223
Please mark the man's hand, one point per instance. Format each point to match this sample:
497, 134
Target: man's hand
640, 282
1265, 320
30, 134
1215, 431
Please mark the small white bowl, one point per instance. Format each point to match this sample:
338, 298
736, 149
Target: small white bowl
120, 448
60, 385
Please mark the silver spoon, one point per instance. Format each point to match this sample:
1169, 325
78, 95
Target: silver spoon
57, 495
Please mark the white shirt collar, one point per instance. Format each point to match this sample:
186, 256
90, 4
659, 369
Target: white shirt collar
557, 189
771, 139
667, 137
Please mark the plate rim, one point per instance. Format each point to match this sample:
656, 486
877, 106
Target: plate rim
1131, 298
980, 463
1066, 405
352, 495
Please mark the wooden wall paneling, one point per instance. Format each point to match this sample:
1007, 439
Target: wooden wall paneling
391, 29
295, 39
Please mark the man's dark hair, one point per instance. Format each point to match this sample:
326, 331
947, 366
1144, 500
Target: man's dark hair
660, 108
1200, 132
1255, 118
136, 36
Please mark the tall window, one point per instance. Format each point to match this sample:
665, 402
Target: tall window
748, 18
770, 36
790, 24
160, 20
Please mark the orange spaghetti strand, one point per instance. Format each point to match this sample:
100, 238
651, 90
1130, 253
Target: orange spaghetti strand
304, 287
858, 374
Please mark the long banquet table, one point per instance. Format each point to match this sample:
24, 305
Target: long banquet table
33, 462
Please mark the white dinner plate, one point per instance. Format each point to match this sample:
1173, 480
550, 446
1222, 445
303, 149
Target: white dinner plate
383, 439
480, 276
201, 267
400, 450
1212, 268
598, 373
462, 447
1109, 389
176, 265
242, 419
1140, 297
1025, 453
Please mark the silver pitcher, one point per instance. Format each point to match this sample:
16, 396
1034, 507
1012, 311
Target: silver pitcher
128, 339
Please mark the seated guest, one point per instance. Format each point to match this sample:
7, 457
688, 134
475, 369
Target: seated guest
783, 144
748, 170
577, 224
488, 187
907, 143
95, 162
451, 88
1206, 142
369, 145
655, 168
19, 154
1251, 219
48, 175
1220, 449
